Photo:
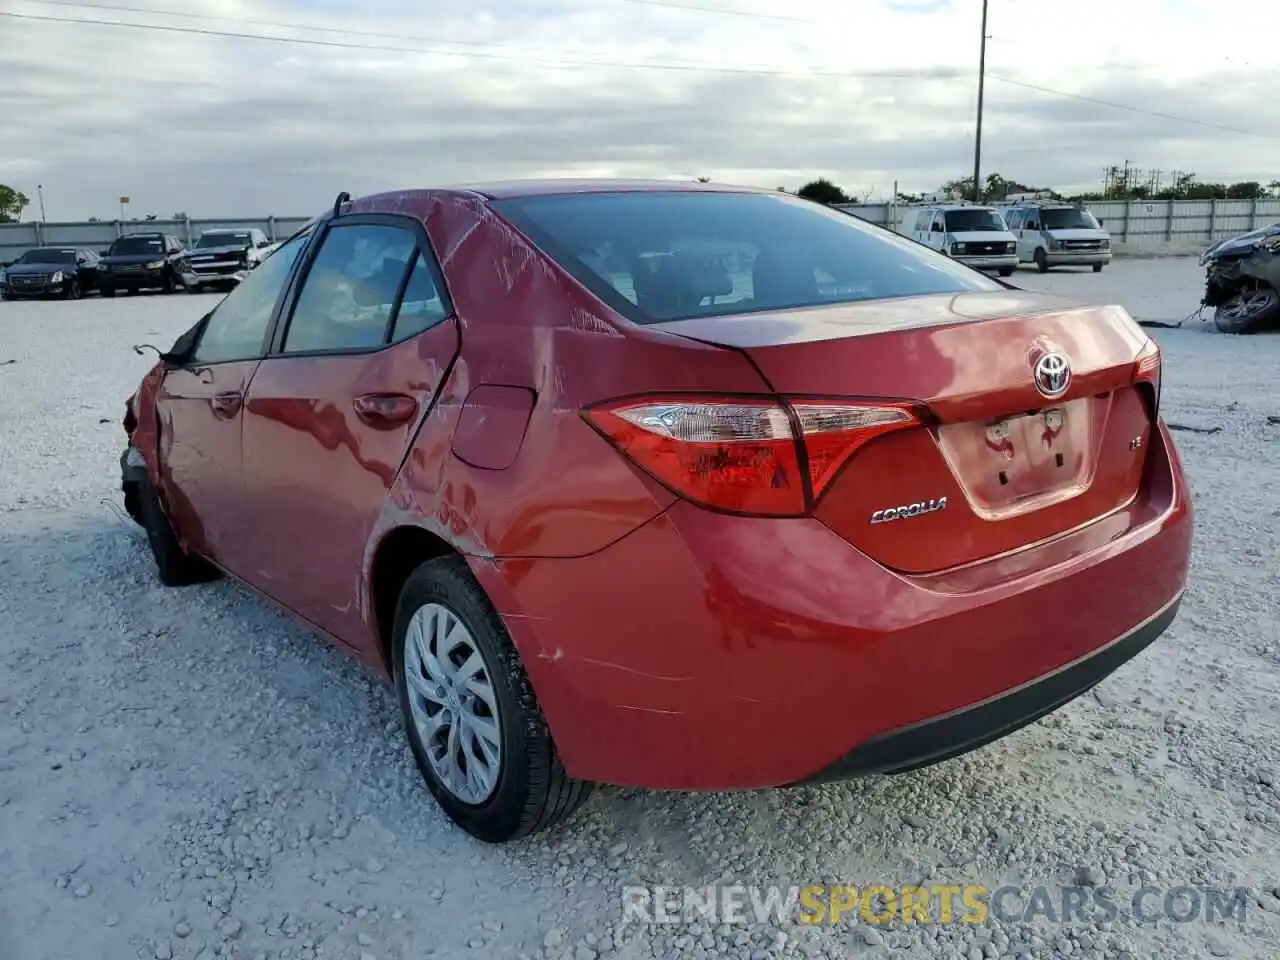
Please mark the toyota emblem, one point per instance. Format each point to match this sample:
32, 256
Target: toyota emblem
1052, 375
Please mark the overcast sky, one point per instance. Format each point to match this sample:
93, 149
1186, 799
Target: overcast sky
485, 89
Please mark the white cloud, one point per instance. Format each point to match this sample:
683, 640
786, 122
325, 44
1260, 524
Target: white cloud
222, 126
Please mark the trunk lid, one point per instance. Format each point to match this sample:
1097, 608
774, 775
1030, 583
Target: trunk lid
998, 465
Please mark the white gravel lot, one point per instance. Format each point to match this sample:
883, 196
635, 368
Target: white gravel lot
189, 774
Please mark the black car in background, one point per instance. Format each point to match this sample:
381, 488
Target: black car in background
51, 271
140, 261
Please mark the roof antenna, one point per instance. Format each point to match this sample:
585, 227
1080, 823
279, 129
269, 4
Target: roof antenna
343, 197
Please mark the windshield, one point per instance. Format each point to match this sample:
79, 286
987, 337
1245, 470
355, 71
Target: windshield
127, 246
965, 221
223, 240
48, 256
656, 256
1067, 218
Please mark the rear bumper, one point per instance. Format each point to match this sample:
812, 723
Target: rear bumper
941, 738
711, 652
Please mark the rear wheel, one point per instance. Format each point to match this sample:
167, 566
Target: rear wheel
73, 291
1042, 260
174, 565
471, 717
1006, 271
1247, 310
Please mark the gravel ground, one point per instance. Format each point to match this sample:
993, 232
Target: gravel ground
189, 774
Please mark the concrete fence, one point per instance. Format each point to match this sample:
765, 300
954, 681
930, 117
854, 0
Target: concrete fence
1157, 227
17, 238
1140, 227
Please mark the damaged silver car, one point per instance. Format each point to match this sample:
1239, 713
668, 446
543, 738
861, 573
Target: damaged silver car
1242, 281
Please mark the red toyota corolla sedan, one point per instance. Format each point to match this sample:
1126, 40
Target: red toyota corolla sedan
667, 485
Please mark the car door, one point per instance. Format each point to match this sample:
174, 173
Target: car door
937, 235
199, 406
1029, 234
332, 410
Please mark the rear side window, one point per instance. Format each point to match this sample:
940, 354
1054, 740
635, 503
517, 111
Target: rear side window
350, 290
659, 256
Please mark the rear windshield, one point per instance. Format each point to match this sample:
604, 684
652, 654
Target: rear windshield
968, 221
658, 256
131, 245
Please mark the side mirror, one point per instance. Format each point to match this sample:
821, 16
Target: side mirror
1101, 222
263, 243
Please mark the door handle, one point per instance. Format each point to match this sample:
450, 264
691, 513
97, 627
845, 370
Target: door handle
226, 405
385, 409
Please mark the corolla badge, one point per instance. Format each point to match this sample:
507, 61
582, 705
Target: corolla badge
909, 510
1052, 375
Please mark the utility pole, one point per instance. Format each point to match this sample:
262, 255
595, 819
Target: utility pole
982, 76
40, 194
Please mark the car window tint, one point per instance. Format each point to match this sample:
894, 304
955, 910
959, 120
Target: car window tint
351, 288
669, 255
423, 306
239, 323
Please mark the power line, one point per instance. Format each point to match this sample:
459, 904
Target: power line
1126, 107
688, 67
380, 48
721, 11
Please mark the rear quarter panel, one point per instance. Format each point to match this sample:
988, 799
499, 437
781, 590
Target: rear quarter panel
526, 325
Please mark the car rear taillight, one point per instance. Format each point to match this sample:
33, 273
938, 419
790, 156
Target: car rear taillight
764, 457
1147, 369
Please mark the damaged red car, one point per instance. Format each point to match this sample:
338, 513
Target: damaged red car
667, 485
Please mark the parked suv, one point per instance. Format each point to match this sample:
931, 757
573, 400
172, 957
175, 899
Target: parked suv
140, 261
1058, 235
974, 235
221, 258
51, 271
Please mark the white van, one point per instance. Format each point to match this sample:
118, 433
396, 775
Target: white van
971, 233
1057, 234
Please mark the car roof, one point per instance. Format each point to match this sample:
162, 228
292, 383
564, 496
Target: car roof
228, 230
512, 189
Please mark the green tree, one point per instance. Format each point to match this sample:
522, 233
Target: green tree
12, 203
823, 190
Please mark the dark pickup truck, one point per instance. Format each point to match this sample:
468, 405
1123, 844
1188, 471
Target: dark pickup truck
140, 261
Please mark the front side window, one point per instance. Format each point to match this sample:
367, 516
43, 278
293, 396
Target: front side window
238, 326
351, 288
658, 256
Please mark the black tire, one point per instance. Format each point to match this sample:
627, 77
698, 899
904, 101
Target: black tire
73, 292
175, 567
1042, 260
168, 286
533, 791
1248, 311
1097, 268
1007, 271
108, 291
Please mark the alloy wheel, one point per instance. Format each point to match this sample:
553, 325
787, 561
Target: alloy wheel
452, 703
